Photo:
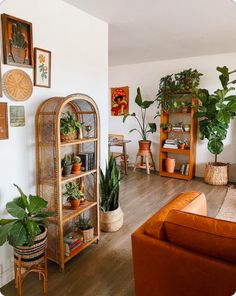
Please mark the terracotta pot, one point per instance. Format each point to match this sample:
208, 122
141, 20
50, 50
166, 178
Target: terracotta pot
75, 203
217, 173
69, 137
170, 165
112, 221
66, 170
76, 169
144, 145
181, 146
18, 55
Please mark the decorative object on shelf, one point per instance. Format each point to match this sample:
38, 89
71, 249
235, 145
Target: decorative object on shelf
76, 169
17, 116
3, 121
170, 165
17, 41
73, 194
17, 85
66, 164
166, 126
144, 127
85, 227
186, 127
69, 127
42, 67
73, 241
119, 101
88, 128
214, 113
181, 144
87, 161
172, 144
111, 213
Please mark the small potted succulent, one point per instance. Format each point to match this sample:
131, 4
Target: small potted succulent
66, 165
76, 169
70, 127
181, 144
85, 227
73, 194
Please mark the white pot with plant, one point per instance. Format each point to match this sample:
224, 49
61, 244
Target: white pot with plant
111, 213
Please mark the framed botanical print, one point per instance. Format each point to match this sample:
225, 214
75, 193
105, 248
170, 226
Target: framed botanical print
3, 121
17, 41
42, 67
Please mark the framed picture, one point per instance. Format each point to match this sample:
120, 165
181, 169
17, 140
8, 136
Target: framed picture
42, 67
119, 101
17, 116
3, 121
17, 41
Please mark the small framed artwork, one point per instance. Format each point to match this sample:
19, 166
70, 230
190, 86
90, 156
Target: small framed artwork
42, 67
119, 101
17, 116
3, 121
17, 41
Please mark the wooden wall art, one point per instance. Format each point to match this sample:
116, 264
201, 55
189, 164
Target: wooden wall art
17, 116
3, 121
17, 41
17, 85
42, 67
119, 101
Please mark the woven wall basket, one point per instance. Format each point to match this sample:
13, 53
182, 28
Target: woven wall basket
217, 174
17, 85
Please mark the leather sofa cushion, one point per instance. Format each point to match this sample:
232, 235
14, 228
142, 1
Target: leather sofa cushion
154, 226
205, 235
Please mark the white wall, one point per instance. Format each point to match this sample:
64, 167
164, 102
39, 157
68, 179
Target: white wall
147, 76
79, 45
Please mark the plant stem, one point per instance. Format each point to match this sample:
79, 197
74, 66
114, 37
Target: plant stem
215, 158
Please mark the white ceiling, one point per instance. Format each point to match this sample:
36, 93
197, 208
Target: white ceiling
148, 30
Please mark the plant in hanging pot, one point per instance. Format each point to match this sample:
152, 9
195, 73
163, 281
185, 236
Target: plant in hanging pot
27, 231
76, 169
70, 127
111, 213
85, 227
144, 128
66, 164
73, 194
214, 113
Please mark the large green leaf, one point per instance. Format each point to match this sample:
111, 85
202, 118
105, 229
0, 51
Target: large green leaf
215, 146
232, 106
17, 235
36, 204
23, 203
125, 117
4, 231
223, 116
224, 77
138, 99
146, 104
153, 127
15, 210
7, 221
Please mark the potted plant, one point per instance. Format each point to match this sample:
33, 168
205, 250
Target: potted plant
73, 194
181, 144
166, 127
76, 169
85, 227
66, 164
111, 213
18, 44
144, 127
69, 127
214, 113
27, 231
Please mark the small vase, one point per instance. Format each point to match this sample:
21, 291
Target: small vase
181, 146
170, 165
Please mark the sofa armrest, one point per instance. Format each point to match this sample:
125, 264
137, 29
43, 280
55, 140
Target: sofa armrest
161, 268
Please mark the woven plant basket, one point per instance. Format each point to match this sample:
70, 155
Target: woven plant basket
34, 254
87, 234
68, 137
111, 221
217, 173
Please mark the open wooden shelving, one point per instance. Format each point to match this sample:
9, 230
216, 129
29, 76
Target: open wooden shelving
80, 141
177, 151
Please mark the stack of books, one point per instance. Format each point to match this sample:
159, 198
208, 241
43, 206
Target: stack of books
184, 169
177, 128
88, 161
72, 243
173, 144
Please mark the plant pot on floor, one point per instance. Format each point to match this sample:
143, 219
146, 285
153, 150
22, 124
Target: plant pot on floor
112, 221
88, 234
170, 165
217, 173
69, 137
144, 145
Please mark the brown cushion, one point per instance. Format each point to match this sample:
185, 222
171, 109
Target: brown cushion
208, 236
154, 226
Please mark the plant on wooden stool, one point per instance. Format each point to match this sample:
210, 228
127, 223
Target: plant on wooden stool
73, 194
85, 226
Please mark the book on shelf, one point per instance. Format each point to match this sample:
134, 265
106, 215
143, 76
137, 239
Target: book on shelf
184, 169
170, 146
88, 161
72, 241
169, 143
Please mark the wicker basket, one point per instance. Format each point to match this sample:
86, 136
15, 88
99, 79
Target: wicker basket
88, 234
112, 221
34, 254
68, 137
217, 173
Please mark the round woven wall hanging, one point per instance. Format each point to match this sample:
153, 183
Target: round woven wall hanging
17, 85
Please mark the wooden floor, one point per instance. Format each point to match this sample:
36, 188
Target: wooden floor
106, 269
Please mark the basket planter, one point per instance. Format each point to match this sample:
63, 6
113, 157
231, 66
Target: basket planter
112, 221
144, 145
34, 254
68, 137
217, 173
88, 234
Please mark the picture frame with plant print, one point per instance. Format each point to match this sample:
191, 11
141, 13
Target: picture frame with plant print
17, 41
42, 67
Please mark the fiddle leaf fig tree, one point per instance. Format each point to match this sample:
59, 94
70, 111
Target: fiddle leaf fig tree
215, 112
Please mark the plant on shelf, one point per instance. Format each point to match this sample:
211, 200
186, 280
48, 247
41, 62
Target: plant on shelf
144, 127
69, 127
73, 194
214, 113
66, 164
166, 126
111, 213
76, 169
27, 231
181, 144
85, 226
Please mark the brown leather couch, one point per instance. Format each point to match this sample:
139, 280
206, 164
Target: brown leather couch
180, 251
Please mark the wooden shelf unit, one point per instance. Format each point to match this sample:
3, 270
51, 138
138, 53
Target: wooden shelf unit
190, 153
50, 184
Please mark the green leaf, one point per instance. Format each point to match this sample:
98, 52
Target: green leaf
15, 210
153, 127
17, 235
232, 106
36, 204
230, 98
146, 104
215, 146
223, 116
7, 221
23, 203
32, 229
138, 99
224, 77
203, 95
125, 117
4, 231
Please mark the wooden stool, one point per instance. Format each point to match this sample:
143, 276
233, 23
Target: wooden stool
146, 157
23, 269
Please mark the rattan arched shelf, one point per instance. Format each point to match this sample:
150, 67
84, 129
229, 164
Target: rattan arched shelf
50, 184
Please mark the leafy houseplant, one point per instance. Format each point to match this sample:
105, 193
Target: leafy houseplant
166, 126
73, 194
214, 113
66, 164
85, 226
69, 127
111, 213
18, 44
144, 127
76, 169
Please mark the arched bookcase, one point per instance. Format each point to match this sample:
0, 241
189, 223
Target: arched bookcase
50, 183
